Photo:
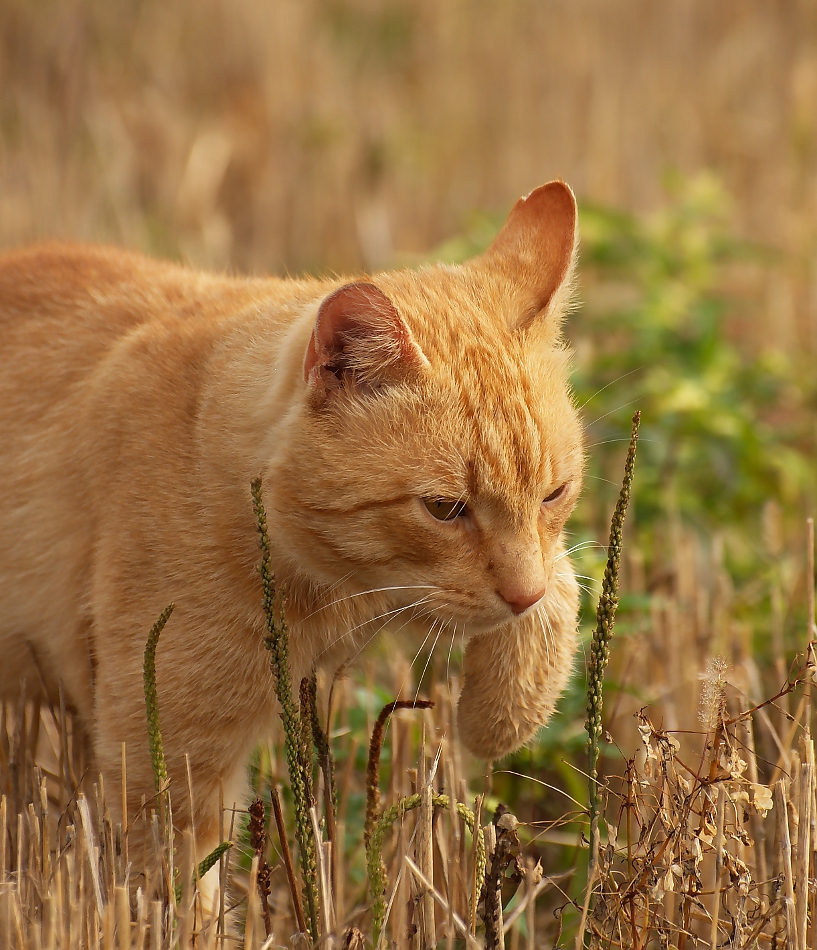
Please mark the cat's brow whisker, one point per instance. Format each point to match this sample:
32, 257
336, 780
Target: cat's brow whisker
606, 414
599, 478
610, 442
611, 383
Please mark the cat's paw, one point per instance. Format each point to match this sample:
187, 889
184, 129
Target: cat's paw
489, 730
513, 677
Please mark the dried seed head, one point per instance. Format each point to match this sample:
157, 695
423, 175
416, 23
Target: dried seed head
713, 692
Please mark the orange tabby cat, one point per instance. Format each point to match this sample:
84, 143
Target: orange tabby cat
420, 454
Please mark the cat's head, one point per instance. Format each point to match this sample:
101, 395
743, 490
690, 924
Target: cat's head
437, 452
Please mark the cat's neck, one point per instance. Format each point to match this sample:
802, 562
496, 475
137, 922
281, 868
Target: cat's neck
254, 379
250, 396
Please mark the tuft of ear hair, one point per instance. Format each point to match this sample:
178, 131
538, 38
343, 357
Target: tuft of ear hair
359, 341
536, 248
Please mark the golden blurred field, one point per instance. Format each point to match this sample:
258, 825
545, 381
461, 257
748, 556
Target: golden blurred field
294, 135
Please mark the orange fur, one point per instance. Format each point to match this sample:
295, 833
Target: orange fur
139, 399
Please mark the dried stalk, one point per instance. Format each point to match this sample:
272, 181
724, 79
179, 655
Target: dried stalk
804, 807
716, 887
258, 840
373, 761
425, 932
286, 854
784, 847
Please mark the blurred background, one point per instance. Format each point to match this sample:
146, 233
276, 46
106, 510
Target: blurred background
281, 136
290, 135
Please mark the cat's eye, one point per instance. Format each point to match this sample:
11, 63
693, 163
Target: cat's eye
555, 494
444, 510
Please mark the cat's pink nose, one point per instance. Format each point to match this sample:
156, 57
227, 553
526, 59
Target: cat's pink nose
519, 600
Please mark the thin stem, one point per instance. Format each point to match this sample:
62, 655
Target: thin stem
600, 647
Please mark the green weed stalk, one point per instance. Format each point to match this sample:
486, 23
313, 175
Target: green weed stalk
157, 752
323, 751
300, 771
600, 647
378, 881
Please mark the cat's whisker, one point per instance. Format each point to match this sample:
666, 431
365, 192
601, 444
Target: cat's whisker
382, 626
584, 577
611, 441
611, 383
373, 590
389, 614
337, 583
426, 611
610, 413
599, 478
385, 623
428, 660
400, 689
539, 614
450, 650
551, 631
578, 547
425, 640
425, 668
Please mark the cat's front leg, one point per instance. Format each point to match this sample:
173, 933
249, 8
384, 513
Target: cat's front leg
515, 674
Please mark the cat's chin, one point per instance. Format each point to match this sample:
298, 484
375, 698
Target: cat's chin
475, 625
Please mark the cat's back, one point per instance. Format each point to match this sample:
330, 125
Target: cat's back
66, 308
75, 300
87, 332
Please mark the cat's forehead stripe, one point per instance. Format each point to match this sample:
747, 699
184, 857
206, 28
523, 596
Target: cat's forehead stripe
466, 330
507, 441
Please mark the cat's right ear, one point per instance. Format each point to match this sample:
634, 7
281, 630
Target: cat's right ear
536, 248
359, 341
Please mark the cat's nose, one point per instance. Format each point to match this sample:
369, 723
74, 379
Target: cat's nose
518, 599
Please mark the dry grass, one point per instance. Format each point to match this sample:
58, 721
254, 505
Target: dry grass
302, 134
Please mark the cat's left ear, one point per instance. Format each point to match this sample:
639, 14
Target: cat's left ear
536, 249
359, 341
